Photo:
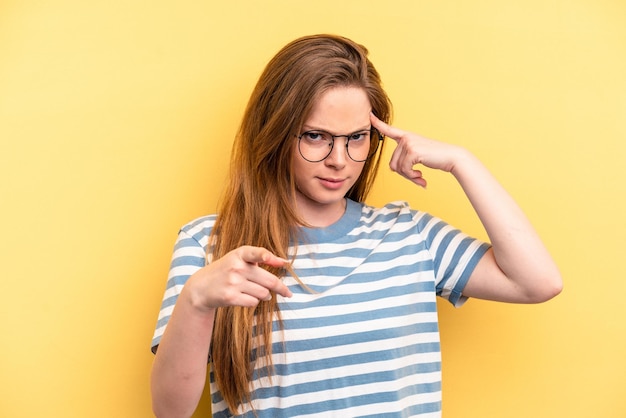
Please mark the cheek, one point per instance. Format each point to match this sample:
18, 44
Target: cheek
358, 169
299, 167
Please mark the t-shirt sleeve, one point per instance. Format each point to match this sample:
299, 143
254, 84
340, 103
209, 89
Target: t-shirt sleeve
189, 256
455, 255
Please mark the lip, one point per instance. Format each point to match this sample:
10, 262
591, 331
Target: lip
331, 183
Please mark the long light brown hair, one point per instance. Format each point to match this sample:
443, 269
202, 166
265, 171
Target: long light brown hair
258, 206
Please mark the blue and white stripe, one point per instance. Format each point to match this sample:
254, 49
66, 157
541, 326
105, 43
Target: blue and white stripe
366, 343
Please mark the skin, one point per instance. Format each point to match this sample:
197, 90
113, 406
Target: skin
517, 269
321, 186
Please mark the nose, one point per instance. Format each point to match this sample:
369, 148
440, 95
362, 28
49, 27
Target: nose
339, 154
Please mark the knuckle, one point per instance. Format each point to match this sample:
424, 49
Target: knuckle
228, 297
232, 280
238, 268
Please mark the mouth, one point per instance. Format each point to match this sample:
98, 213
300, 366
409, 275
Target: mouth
331, 183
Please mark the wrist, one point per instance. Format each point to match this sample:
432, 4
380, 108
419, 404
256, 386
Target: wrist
463, 161
195, 298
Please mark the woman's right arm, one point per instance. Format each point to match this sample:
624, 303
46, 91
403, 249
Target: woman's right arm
180, 365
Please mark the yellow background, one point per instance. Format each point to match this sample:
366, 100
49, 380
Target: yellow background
116, 120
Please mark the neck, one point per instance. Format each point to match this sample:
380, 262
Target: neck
321, 216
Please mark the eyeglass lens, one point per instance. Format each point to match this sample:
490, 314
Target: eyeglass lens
315, 146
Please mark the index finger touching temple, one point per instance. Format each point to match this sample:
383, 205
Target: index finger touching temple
386, 129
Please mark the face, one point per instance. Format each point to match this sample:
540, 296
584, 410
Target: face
321, 186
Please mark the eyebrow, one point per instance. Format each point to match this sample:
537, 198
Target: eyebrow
312, 128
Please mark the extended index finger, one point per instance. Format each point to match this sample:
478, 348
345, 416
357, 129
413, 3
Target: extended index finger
386, 129
259, 255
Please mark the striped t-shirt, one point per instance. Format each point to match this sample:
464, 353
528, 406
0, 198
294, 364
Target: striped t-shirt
366, 342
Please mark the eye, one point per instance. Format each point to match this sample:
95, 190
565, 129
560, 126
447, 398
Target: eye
316, 136
359, 136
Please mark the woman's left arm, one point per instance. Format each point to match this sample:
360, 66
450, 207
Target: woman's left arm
518, 268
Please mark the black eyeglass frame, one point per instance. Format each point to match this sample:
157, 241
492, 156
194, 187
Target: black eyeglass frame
371, 153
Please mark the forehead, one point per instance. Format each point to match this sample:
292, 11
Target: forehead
340, 109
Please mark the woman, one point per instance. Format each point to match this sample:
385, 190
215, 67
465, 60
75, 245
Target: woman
306, 301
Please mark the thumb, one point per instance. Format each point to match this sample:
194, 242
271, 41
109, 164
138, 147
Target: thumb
259, 255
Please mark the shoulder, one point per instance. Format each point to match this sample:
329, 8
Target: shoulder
199, 229
199, 224
397, 211
394, 207
397, 216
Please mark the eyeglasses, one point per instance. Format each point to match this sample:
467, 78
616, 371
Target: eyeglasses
316, 146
